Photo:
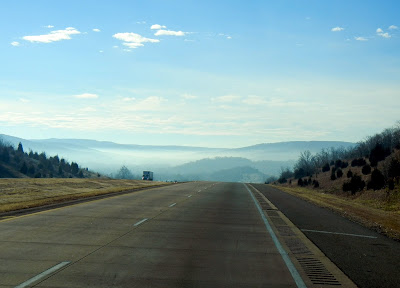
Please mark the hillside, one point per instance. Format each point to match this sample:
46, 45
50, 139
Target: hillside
16, 163
362, 183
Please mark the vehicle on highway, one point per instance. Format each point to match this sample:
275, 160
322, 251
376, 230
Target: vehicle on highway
147, 175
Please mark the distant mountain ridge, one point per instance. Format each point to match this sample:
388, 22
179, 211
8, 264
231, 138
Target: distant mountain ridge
167, 161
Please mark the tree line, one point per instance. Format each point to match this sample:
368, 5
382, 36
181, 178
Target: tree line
375, 149
35, 165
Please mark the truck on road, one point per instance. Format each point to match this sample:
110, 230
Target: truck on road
147, 175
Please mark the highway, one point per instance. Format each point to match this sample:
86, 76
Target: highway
198, 234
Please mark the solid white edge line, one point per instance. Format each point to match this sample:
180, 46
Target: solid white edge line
140, 222
339, 233
43, 274
172, 205
295, 274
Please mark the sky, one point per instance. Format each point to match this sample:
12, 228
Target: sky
199, 73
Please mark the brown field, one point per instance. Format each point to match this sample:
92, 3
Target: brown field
25, 193
378, 210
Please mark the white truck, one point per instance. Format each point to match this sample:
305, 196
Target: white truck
147, 175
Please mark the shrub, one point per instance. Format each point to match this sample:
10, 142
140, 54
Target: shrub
358, 162
394, 168
326, 167
366, 169
378, 153
333, 175
345, 165
377, 180
354, 185
315, 184
300, 182
349, 174
338, 163
339, 173
391, 184
38, 175
299, 173
281, 180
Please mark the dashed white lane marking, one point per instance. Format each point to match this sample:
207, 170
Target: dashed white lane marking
338, 233
140, 222
41, 275
289, 264
189, 196
172, 205
199, 191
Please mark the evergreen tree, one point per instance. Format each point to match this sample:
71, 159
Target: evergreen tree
24, 168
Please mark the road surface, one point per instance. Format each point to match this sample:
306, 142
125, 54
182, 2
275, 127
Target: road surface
198, 234
371, 260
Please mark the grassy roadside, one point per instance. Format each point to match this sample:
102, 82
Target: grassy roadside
379, 213
16, 194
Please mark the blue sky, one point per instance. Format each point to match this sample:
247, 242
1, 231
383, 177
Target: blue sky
199, 73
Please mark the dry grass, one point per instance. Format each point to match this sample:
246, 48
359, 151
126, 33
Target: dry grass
18, 194
374, 209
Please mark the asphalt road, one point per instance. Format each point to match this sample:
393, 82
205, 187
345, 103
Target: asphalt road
187, 235
371, 262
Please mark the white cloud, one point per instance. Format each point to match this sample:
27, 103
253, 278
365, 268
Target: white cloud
393, 27
53, 36
96, 30
24, 100
49, 26
380, 32
254, 100
15, 43
226, 99
101, 51
87, 96
189, 96
115, 46
151, 103
133, 40
157, 27
385, 35
88, 109
337, 29
128, 99
170, 33
360, 38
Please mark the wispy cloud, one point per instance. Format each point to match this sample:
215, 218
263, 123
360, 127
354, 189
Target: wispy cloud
254, 100
15, 43
133, 40
87, 96
393, 27
170, 33
49, 26
226, 98
360, 38
157, 27
53, 36
337, 29
96, 30
189, 96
